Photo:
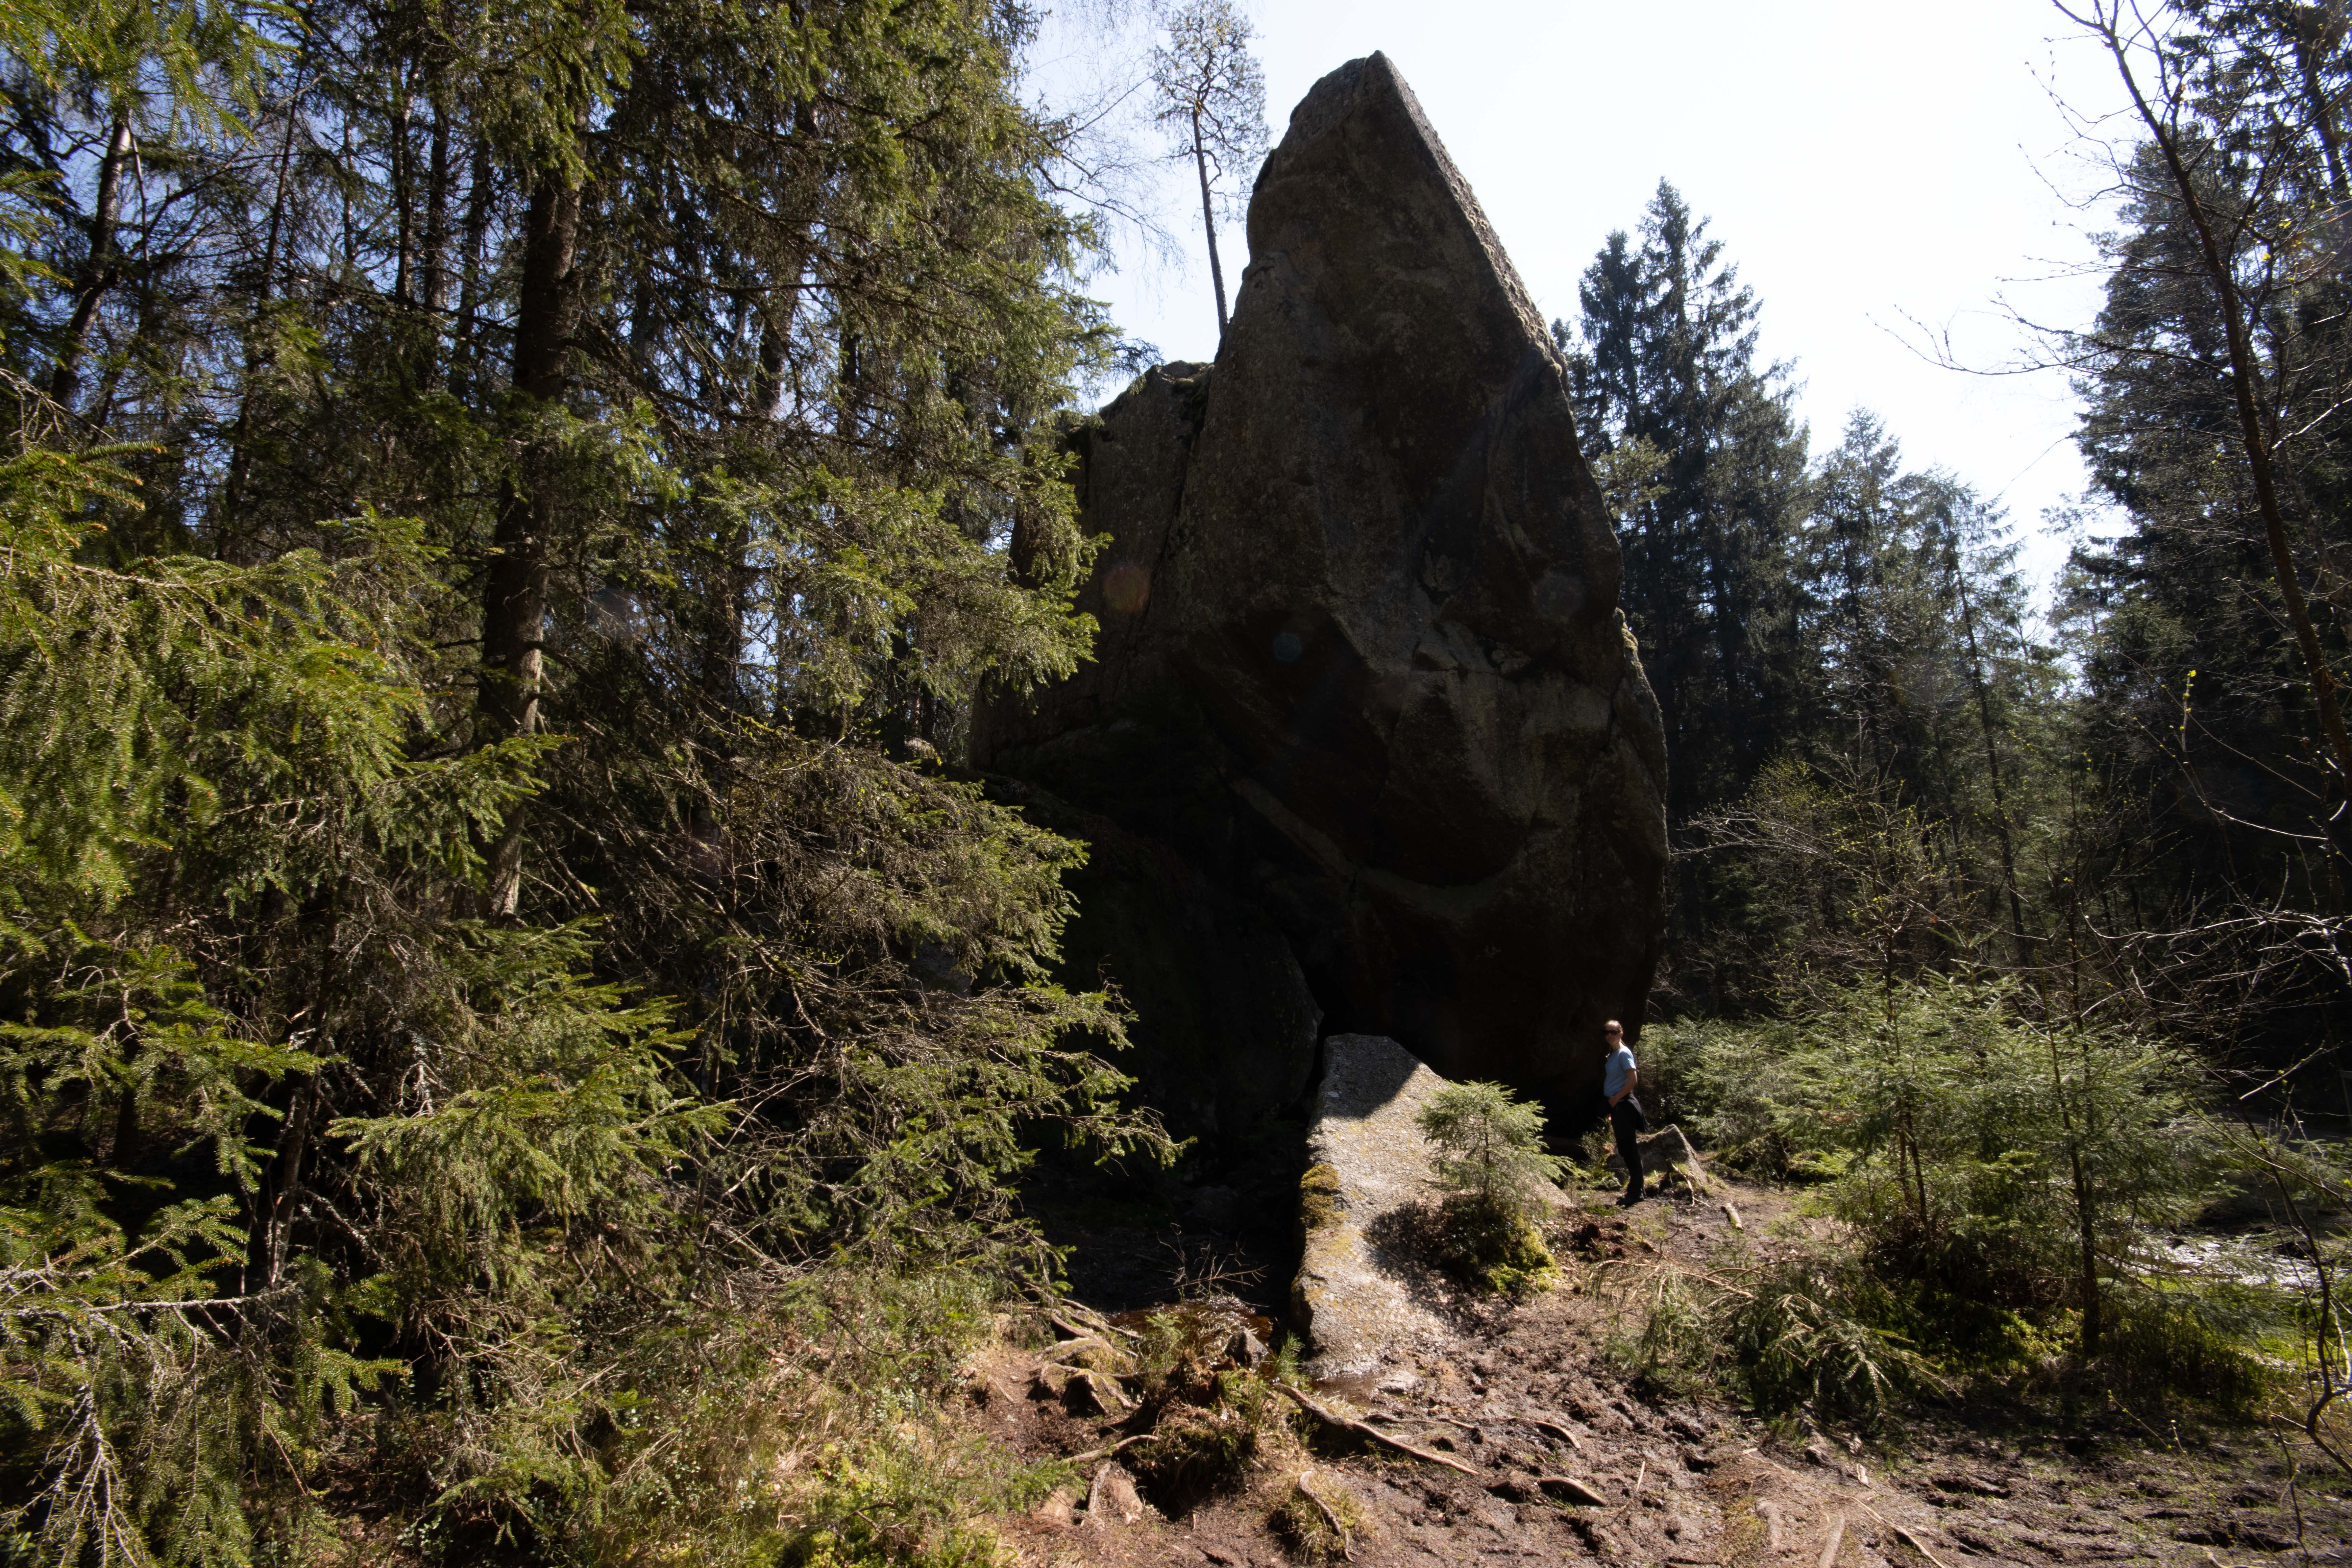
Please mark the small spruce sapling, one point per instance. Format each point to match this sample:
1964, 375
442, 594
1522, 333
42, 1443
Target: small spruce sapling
1492, 1160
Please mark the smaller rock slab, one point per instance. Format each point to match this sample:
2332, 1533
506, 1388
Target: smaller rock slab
1113, 1500
1669, 1152
1366, 1158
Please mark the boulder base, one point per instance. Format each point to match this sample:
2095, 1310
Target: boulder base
1368, 1159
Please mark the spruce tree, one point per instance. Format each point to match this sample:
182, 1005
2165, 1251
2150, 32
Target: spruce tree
504, 517
1663, 361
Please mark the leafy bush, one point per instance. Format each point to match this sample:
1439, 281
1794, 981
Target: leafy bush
1811, 1329
2006, 1183
1500, 1252
2197, 1339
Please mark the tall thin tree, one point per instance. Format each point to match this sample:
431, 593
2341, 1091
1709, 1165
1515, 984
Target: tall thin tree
1212, 100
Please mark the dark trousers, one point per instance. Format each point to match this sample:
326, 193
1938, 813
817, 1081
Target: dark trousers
1627, 1118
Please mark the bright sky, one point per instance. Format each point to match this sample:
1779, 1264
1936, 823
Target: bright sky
1863, 164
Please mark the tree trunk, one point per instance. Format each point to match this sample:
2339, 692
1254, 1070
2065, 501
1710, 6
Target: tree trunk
1992, 755
464, 353
2249, 421
2086, 1232
98, 270
240, 460
1209, 221
2316, 29
514, 595
435, 292
293, 1145
404, 202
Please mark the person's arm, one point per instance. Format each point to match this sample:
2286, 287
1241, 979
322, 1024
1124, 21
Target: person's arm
1633, 1076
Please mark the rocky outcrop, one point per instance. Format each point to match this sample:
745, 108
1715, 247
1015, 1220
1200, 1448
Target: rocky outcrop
1366, 1160
1362, 665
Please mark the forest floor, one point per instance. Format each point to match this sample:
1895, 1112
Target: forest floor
1527, 1397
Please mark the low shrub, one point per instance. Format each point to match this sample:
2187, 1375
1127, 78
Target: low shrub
1210, 1419
1491, 1156
1821, 1332
1812, 1330
2192, 1341
1495, 1250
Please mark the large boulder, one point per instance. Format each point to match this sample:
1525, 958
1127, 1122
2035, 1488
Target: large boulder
1363, 662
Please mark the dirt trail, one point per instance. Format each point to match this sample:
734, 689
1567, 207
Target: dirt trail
1530, 1409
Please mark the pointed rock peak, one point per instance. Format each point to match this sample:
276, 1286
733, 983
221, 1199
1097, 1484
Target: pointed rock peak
1359, 145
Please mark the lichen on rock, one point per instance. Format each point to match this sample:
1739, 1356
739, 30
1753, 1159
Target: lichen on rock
1351, 1299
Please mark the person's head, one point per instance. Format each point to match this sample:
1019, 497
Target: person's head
1613, 1035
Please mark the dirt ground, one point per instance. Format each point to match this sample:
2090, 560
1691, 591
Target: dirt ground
1528, 1409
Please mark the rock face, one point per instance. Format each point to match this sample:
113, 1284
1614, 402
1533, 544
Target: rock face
1368, 1159
1363, 668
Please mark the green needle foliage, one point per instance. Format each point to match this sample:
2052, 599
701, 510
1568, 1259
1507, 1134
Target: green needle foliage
2009, 1182
1492, 1158
512, 1031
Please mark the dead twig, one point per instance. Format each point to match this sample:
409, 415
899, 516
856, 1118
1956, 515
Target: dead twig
1346, 1548
1556, 1429
1905, 1536
1837, 1539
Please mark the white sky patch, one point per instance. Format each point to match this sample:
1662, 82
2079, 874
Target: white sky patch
1877, 173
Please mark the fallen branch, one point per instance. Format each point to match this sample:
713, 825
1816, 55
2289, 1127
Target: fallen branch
1733, 1215
1366, 1429
1915, 1545
1106, 1326
1433, 1417
1837, 1539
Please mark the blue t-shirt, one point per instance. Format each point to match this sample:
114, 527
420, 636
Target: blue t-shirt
1620, 1062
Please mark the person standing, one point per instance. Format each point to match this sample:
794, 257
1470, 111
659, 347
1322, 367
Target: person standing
1619, 1079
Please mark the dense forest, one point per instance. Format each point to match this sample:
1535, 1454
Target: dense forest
514, 1006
